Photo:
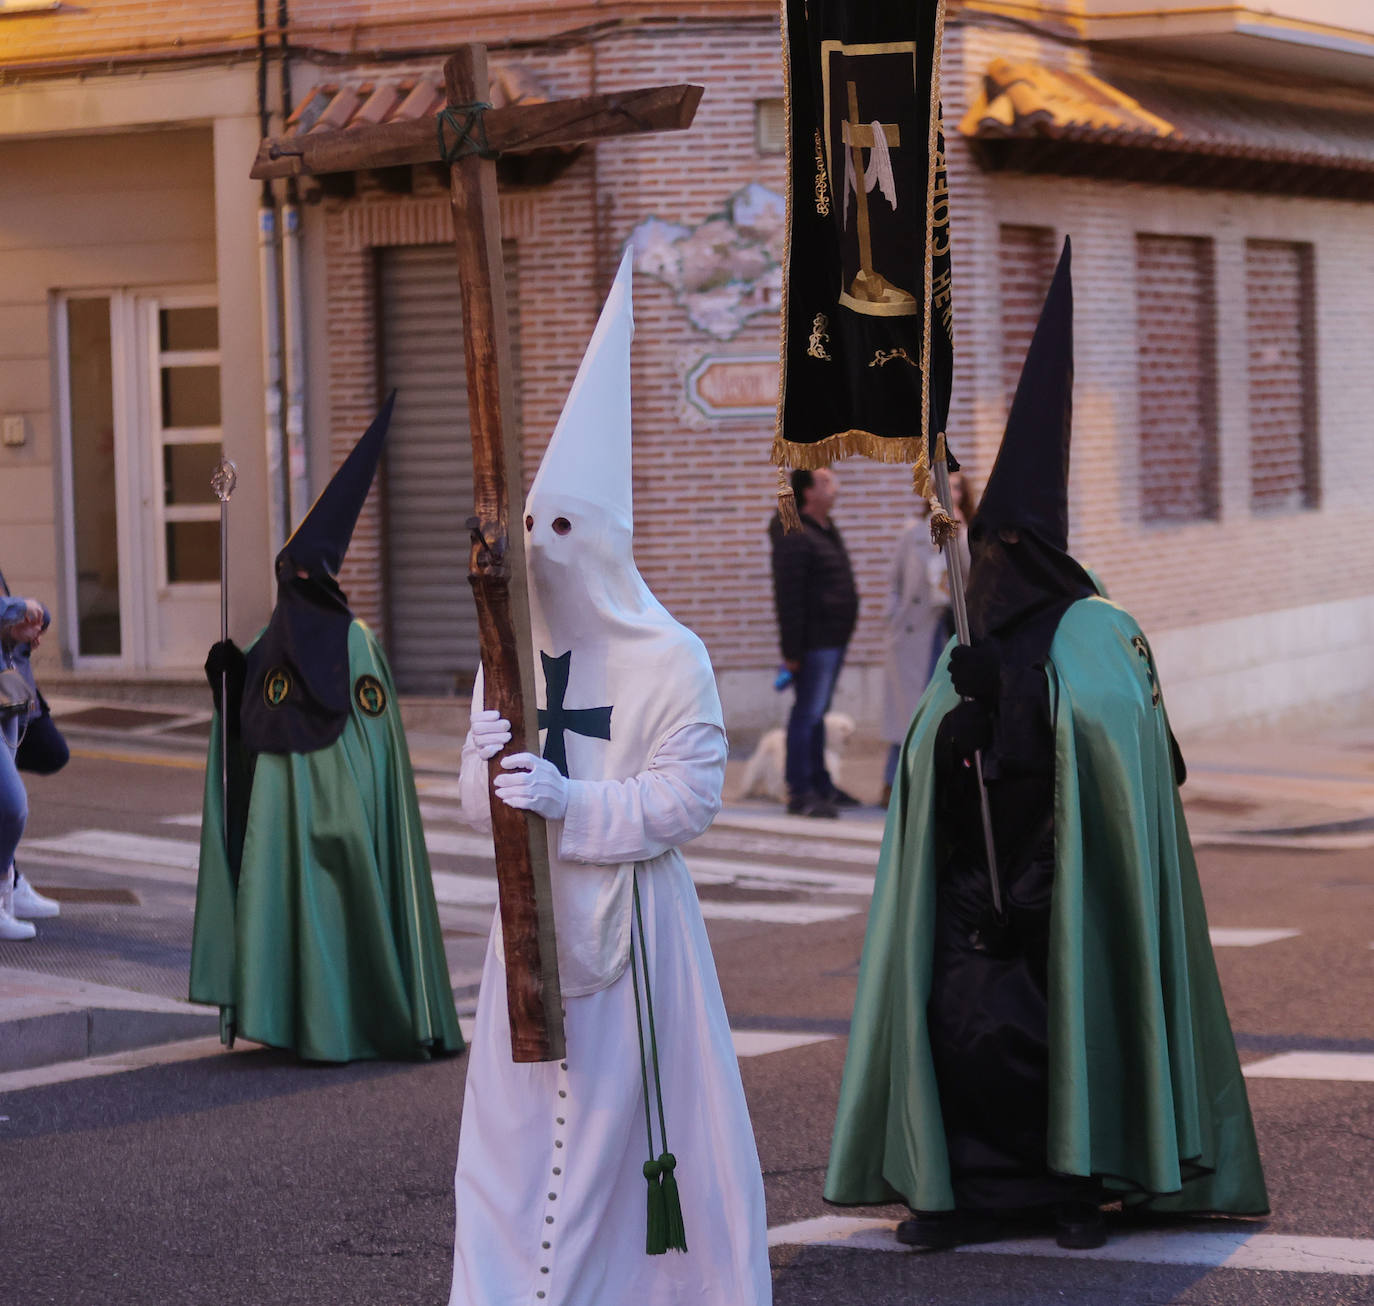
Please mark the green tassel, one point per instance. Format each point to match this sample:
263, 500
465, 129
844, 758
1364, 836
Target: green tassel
676, 1239
656, 1237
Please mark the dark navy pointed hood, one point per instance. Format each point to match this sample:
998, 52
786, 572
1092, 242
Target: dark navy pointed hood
1021, 578
298, 693
1029, 485
321, 540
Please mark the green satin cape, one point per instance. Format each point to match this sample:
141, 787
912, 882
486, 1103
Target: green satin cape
1145, 1087
330, 943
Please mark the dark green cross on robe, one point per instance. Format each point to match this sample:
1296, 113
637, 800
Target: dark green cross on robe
591, 722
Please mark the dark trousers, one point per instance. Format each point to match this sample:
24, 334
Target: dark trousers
805, 771
42, 750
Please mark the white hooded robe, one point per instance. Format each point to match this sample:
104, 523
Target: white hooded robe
550, 1190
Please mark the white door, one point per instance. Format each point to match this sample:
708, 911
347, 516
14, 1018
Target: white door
141, 419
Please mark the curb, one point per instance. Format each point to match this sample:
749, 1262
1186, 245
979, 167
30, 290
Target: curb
73, 1034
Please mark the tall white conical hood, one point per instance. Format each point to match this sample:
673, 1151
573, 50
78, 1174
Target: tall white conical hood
579, 515
615, 674
588, 457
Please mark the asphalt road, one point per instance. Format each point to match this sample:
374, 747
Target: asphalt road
248, 1178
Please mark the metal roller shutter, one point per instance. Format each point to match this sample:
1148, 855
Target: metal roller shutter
431, 619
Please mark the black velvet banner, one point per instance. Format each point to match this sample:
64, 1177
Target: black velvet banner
867, 316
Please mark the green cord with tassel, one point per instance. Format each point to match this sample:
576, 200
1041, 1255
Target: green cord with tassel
665, 1231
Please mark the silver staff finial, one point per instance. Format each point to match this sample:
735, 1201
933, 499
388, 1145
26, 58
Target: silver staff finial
223, 480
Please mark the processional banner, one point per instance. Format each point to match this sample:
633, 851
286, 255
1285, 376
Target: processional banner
867, 315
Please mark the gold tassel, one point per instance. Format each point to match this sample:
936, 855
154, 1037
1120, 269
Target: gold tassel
943, 527
787, 504
921, 480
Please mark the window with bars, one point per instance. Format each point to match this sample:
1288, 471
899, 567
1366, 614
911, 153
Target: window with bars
770, 127
1281, 371
1176, 351
1026, 259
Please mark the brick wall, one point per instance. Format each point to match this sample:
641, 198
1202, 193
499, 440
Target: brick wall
168, 31
1026, 262
1176, 335
1179, 574
704, 489
1278, 316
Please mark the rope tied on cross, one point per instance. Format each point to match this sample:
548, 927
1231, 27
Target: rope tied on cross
466, 124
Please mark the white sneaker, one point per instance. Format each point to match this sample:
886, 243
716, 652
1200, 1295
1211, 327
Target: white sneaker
29, 904
11, 930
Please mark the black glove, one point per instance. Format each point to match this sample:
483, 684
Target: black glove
965, 730
1176, 756
975, 670
226, 659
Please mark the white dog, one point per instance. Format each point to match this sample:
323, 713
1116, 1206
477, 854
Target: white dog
763, 773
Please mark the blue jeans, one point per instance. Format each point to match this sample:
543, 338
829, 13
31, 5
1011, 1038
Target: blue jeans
14, 802
815, 686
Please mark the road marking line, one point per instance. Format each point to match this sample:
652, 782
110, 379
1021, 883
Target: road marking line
1349, 1067
1239, 937
771, 876
117, 1063
1287, 842
454, 890
154, 856
140, 759
437, 788
118, 846
774, 913
821, 831
457, 844
1232, 1250
760, 1042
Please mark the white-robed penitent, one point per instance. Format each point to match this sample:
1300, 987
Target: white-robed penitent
550, 1184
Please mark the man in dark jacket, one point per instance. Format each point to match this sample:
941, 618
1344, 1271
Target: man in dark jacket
817, 603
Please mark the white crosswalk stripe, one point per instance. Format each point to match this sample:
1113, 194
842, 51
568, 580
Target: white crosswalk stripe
760, 1042
1229, 1250
165, 858
1223, 937
1349, 1067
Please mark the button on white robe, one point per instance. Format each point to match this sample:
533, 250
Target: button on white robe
551, 1195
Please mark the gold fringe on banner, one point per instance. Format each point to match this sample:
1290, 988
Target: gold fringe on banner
787, 504
846, 444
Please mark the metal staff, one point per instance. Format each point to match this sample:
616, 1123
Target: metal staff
222, 481
939, 468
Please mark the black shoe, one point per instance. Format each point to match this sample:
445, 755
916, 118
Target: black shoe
940, 1230
838, 798
812, 806
1079, 1226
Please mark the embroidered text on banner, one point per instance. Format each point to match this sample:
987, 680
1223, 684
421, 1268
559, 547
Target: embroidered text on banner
867, 318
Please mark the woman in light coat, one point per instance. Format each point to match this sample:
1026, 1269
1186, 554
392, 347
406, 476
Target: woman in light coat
919, 621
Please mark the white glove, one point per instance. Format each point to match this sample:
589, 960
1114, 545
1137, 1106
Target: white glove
490, 733
536, 786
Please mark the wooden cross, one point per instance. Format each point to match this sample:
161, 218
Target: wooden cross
497, 561
859, 136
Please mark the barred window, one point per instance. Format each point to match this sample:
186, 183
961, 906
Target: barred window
1026, 262
1176, 351
770, 127
1280, 331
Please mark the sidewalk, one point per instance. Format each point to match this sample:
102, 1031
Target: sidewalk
1268, 791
